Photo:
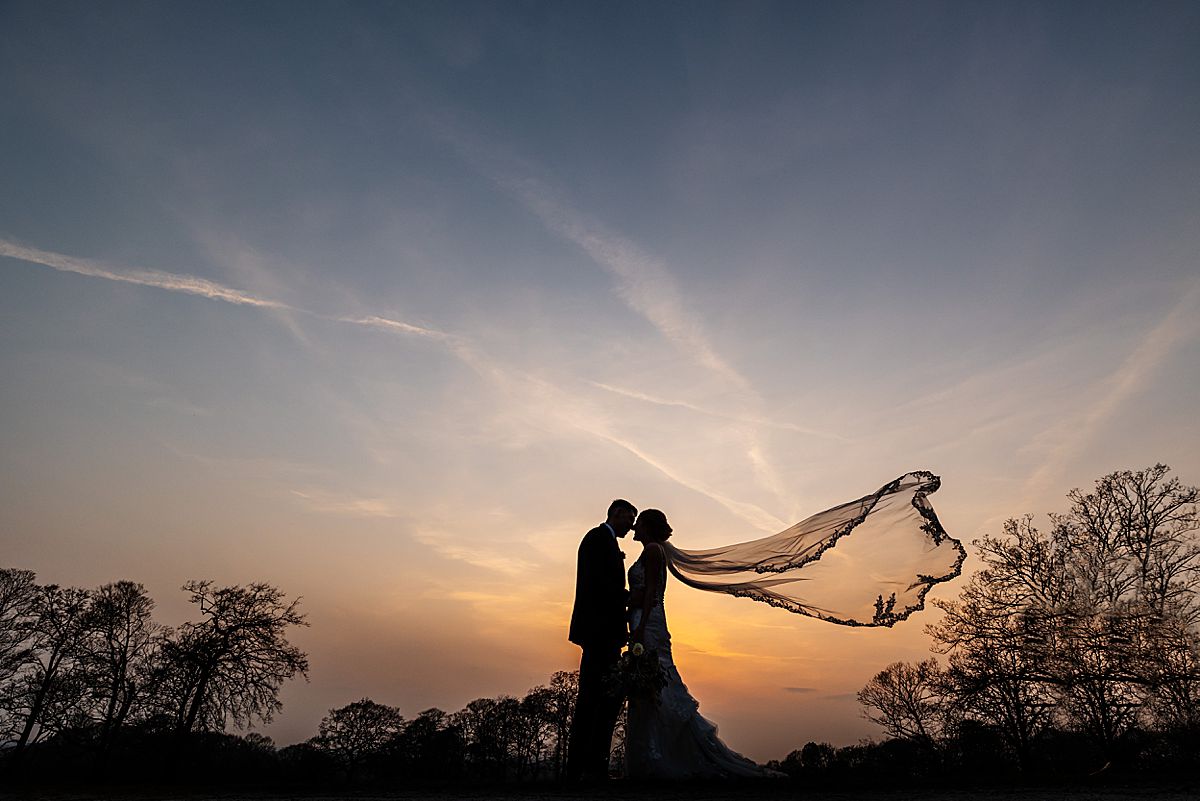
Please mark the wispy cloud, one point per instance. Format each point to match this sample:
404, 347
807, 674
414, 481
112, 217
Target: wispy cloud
451, 548
737, 418
535, 392
346, 505
556, 405
178, 406
260, 270
643, 281
752, 514
254, 467
1071, 436
172, 282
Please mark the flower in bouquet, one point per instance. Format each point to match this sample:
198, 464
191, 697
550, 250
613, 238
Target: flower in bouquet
638, 673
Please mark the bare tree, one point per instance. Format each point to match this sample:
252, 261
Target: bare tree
18, 605
1091, 620
432, 744
231, 664
536, 737
1002, 682
996, 634
1135, 562
1149, 520
355, 732
1171, 663
555, 705
48, 691
817, 756
908, 701
490, 730
1095, 669
119, 654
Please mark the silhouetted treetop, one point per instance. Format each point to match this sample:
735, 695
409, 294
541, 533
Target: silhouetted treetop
232, 662
1089, 626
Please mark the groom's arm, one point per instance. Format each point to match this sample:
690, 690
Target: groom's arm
601, 578
590, 576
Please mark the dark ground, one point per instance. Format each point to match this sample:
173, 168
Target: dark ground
752, 791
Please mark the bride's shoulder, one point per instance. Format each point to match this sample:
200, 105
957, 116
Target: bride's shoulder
655, 551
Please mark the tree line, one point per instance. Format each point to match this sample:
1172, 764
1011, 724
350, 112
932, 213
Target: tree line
89, 669
490, 739
1074, 650
1076, 647
91, 687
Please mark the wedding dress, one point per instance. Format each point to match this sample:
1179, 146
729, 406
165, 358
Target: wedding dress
670, 739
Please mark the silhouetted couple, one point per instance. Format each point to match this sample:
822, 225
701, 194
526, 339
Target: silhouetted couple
901, 551
664, 737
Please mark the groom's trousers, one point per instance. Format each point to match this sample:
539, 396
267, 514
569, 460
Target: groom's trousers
596, 711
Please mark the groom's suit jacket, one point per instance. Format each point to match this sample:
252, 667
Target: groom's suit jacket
600, 595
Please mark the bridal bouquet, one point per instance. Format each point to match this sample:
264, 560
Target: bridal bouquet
638, 673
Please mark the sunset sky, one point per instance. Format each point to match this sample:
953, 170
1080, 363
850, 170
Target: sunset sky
384, 303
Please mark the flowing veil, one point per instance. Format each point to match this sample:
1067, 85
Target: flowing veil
890, 549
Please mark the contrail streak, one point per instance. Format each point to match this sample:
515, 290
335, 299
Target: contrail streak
395, 326
187, 284
191, 285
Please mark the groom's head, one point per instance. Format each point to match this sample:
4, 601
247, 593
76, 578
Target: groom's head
620, 516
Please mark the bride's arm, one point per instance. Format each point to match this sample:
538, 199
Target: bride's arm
655, 560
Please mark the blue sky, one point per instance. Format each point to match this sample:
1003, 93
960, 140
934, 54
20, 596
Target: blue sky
384, 302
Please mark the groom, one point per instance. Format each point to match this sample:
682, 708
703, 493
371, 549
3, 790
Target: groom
598, 626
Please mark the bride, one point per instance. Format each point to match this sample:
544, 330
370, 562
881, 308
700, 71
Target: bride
899, 550
667, 737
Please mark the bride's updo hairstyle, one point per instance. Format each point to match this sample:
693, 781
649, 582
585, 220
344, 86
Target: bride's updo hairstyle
653, 526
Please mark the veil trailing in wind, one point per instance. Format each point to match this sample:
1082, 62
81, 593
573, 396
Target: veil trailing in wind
890, 549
